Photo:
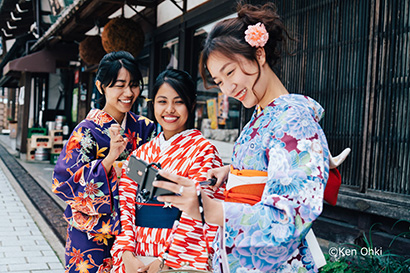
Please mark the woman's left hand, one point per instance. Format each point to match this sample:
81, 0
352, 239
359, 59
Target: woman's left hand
186, 198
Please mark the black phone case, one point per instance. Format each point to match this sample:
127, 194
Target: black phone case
139, 171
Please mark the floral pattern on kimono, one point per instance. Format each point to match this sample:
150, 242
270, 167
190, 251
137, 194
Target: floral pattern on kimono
81, 181
286, 141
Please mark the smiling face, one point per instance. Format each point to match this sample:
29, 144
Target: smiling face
121, 95
237, 78
170, 111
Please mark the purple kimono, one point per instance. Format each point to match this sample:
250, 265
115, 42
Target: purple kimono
90, 192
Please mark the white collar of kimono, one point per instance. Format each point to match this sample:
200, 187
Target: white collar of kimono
164, 144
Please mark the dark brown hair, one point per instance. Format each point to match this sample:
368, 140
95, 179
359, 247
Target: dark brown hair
228, 37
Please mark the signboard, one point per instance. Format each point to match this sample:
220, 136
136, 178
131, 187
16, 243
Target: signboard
212, 114
56, 6
74, 109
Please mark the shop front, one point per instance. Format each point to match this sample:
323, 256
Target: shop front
55, 82
177, 43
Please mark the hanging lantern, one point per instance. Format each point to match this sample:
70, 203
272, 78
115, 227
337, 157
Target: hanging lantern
123, 34
91, 50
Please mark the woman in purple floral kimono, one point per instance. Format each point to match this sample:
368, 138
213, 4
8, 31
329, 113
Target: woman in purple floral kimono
280, 163
85, 177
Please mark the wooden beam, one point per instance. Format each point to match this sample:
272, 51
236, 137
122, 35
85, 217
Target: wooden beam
146, 3
176, 4
388, 205
143, 16
23, 114
87, 18
100, 8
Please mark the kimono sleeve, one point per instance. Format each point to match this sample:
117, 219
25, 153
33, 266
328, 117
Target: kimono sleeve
126, 239
79, 178
205, 159
265, 235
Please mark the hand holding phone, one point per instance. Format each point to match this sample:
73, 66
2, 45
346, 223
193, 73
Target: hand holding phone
145, 174
210, 182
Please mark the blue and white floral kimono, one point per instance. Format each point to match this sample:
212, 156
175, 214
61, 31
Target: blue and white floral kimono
286, 141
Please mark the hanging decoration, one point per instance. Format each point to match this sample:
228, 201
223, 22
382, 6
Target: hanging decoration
91, 50
123, 34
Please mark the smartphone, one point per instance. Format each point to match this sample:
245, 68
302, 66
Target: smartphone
144, 174
210, 182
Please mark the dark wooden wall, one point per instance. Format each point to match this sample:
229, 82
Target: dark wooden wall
353, 58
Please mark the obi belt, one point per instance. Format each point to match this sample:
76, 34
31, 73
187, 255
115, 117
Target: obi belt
246, 186
154, 214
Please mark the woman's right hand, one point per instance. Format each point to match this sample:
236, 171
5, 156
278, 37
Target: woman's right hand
118, 143
131, 263
221, 175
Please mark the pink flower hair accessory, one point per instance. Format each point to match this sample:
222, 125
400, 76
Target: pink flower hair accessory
256, 35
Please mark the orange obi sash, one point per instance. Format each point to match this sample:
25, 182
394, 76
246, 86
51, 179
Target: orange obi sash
248, 194
245, 186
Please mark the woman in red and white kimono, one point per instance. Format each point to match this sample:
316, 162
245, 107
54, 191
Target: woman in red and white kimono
182, 151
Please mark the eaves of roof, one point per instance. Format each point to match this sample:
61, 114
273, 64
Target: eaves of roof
67, 14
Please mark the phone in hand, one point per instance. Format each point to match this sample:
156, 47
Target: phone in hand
145, 174
210, 182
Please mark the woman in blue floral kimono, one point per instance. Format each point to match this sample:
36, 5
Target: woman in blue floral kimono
84, 176
280, 162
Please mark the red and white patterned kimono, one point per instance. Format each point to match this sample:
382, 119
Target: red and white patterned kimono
186, 154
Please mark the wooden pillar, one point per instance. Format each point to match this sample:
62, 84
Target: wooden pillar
154, 70
369, 99
23, 113
83, 90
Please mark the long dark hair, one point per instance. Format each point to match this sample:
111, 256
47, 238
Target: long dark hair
228, 37
109, 66
183, 84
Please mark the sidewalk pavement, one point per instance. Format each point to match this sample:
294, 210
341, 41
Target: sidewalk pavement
41, 171
27, 244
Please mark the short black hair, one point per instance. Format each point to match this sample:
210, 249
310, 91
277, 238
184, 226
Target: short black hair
112, 62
